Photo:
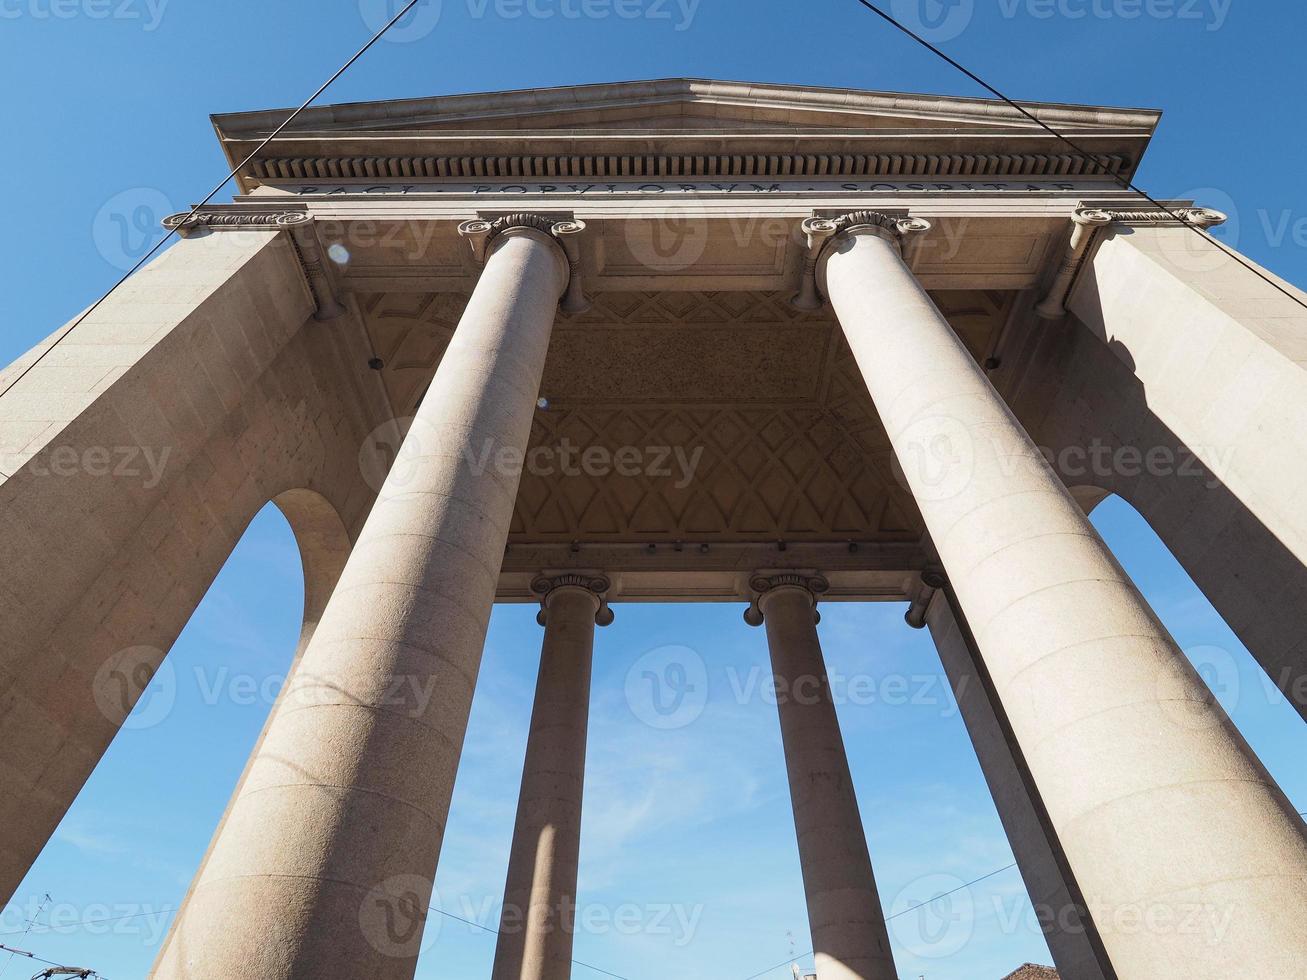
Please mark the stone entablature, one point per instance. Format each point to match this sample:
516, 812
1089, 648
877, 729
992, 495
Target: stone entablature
683, 128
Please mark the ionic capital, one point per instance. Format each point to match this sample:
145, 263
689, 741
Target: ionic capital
1196, 216
764, 584
825, 233
482, 234
302, 230
594, 586
1086, 224
932, 580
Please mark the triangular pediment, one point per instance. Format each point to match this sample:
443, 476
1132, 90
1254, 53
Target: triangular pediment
691, 104
633, 123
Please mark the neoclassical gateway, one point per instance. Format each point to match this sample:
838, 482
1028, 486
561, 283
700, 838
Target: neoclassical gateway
907, 342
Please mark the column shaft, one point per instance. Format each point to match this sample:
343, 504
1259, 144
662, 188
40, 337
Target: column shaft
1068, 928
539, 914
849, 937
1190, 857
325, 862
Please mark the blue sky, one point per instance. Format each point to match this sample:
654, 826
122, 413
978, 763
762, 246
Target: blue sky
689, 866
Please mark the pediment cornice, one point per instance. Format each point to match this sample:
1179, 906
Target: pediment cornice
686, 127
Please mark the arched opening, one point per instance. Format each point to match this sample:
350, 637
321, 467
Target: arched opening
121, 860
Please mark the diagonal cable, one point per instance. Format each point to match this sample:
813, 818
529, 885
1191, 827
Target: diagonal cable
478, 925
214, 193
1125, 182
912, 908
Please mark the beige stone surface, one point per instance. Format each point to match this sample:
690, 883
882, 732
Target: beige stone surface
1133, 758
748, 420
126, 488
538, 919
849, 937
1067, 927
1215, 366
326, 858
1075, 393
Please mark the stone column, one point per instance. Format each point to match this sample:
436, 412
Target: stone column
849, 938
1190, 858
1068, 929
539, 914
324, 864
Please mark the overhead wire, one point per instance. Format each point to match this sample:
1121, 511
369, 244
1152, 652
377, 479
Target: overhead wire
478, 925
1125, 182
789, 959
213, 193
